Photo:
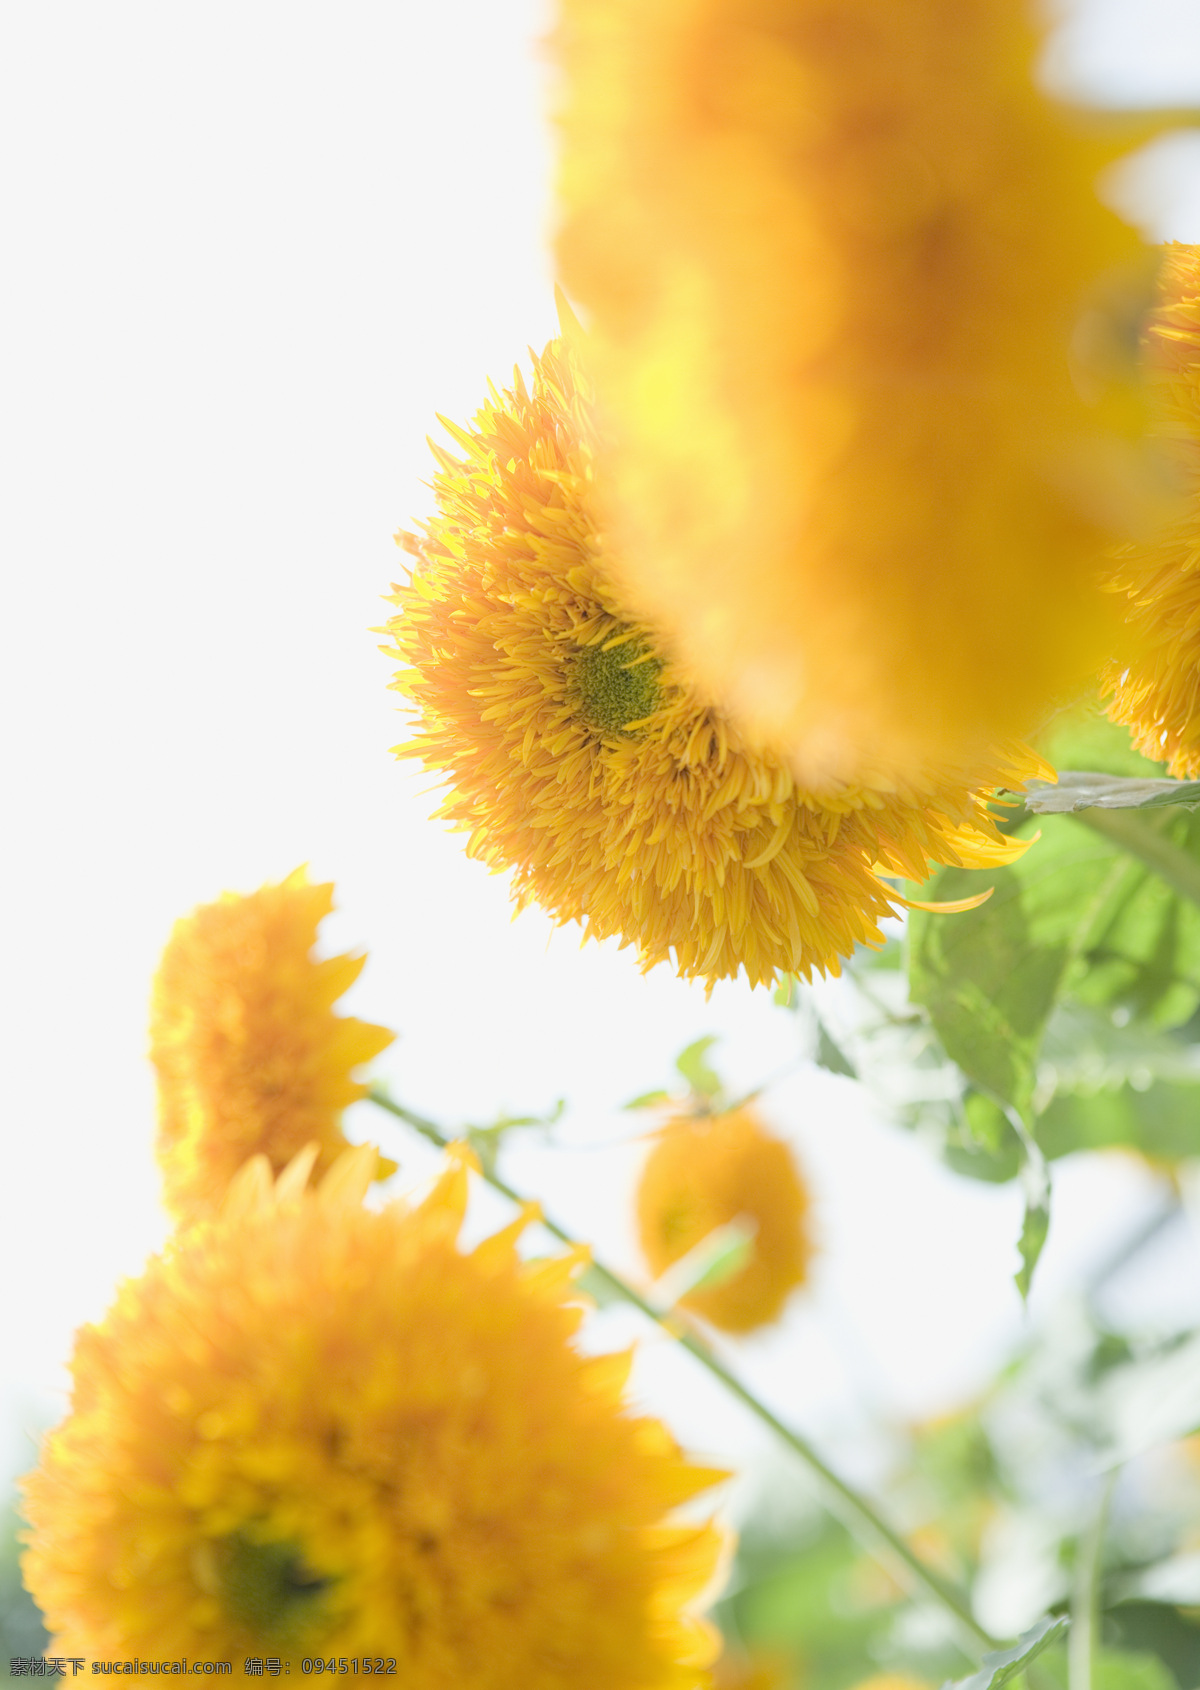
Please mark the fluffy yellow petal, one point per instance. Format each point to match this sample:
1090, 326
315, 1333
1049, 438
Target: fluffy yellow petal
1157, 693
314, 1429
250, 1057
580, 757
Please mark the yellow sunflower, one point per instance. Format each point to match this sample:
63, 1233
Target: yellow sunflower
580, 756
1157, 694
758, 1670
706, 1171
893, 1681
311, 1429
249, 1054
847, 280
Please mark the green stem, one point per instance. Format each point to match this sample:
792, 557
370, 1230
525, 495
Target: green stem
1141, 838
856, 1512
1081, 1643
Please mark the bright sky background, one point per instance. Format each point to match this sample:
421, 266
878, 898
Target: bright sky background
251, 250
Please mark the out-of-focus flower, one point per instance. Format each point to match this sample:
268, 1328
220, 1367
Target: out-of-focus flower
705, 1172
314, 1429
582, 759
892, 1681
856, 321
735, 1670
249, 1054
1157, 694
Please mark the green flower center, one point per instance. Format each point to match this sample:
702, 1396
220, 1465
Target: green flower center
616, 686
267, 1587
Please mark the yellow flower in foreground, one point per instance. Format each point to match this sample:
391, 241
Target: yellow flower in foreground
581, 758
1158, 693
838, 257
705, 1171
893, 1681
314, 1429
249, 1054
735, 1670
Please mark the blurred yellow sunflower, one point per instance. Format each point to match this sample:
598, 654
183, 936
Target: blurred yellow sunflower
582, 758
705, 1172
311, 1429
249, 1054
892, 1681
1157, 694
842, 262
757, 1670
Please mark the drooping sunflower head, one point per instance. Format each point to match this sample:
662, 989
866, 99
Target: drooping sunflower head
706, 1172
312, 1429
582, 758
249, 1054
1157, 694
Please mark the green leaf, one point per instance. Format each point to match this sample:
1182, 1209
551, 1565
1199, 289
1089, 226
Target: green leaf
647, 1100
991, 976
486, 1141
1033, 1237
704, 1081
831, 1055
800, 1596
1162, 1121
1003, 1664
1169, 1632
1076, 915
1116, 1669
1087, 789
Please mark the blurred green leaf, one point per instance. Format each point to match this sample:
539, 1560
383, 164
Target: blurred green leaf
1003, 1664
1162, 1121
1074, 915
647, 1100
703, 1080
985, 1147
1173, 1637
811, 1599
21, 1628
486, 1141
830, 1054
991, 976
1082, 737
1034, 1229
1115, 1669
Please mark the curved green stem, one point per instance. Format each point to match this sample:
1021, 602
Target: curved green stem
856, 1512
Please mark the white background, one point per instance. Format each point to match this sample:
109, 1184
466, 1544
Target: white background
250, 250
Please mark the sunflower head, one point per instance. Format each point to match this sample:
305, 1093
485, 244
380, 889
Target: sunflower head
249, 1054
859, 332
581, 758
315, 1429
708, 1171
